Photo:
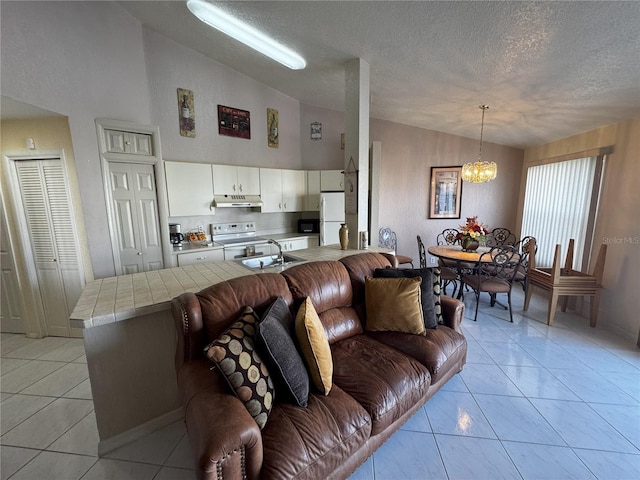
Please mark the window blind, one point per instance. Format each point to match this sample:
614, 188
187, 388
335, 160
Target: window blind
556, 207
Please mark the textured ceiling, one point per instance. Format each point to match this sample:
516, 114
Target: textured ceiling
548, 70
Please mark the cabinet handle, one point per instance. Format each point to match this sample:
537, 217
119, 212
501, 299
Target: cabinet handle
200, 258
280, 206
241, 187
234, 187
285, 205
139, 253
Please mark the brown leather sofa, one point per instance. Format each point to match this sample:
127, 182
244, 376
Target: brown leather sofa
380, 379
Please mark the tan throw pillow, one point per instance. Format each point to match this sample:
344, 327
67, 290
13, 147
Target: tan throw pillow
314, 346
394, 304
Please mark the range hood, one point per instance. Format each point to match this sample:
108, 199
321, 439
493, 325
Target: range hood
221, 201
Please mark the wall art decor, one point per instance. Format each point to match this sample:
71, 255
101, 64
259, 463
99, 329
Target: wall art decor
186, 113
272, 127
446, 192
316, 131
234, 122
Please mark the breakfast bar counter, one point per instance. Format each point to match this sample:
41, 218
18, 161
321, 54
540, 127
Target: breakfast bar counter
130, 341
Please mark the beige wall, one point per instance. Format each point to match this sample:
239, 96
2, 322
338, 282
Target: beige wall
618, 221
408, 153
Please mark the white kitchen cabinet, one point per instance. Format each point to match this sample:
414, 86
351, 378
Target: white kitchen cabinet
128, 142
331, 181
202, 256
312, 194
282, 190
189, 188
295, 243
233, 180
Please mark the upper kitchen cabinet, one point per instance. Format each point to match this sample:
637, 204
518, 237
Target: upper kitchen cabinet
128, 142
282, 190
331, 181
312, 197
189, 188
233, 180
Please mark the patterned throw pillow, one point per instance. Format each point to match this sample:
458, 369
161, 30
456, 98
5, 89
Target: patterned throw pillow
234, 354
436, 295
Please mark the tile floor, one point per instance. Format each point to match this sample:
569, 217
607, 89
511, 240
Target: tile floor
533, 402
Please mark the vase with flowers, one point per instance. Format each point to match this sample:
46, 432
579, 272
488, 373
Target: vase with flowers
471, 234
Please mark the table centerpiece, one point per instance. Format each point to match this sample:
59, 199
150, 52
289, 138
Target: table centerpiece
471, 234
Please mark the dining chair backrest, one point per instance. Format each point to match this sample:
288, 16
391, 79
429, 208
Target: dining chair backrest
421, 253
499, 264
501, 236
449, 236
387, 238
523, 247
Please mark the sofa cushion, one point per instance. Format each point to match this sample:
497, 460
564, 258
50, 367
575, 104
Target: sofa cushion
235, 355
442, 351
223, 302
394, 304
306, 443
274, 339
383, 380
314, 346
426, 289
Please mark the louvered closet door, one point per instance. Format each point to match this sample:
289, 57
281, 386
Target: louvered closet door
133, 190
47, 207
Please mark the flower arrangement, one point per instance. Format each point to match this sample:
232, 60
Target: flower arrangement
472, 230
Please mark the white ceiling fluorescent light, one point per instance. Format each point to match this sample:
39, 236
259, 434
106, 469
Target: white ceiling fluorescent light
227, 24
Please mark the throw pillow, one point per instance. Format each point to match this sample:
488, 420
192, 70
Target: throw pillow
315, 346
426, 289
274, 340
393, 304
234, 354
436, 295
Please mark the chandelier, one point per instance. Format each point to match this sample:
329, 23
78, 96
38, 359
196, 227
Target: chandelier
479, 172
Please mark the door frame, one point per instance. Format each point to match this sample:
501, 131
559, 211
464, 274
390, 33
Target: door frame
155, 160
34, 317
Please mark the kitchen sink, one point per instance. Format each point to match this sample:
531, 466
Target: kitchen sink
269, 261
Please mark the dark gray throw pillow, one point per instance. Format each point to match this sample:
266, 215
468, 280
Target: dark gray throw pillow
426, 289
274, 339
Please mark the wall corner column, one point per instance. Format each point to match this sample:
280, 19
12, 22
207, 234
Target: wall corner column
357, 94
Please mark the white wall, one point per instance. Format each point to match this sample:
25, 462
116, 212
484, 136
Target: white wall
171, 66
83, 60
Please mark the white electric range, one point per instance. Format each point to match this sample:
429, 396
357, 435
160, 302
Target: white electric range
239, 240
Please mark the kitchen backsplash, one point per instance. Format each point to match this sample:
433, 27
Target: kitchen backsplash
265, 222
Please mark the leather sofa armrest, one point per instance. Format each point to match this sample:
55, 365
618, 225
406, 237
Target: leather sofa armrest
225, 440
452, 312
187, 316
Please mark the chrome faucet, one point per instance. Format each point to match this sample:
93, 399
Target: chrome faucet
280, 258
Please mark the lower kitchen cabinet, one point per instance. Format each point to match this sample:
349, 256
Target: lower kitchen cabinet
295, 243
200, 257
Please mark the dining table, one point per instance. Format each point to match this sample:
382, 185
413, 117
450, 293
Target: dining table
465, 260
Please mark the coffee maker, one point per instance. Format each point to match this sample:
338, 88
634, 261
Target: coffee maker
175, 236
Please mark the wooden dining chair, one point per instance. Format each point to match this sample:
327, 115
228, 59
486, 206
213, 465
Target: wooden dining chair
495, 273
562, 283
387, 238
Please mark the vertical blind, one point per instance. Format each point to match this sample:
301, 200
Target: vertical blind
556, 207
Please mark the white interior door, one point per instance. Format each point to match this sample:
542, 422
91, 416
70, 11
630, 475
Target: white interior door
49, 218
11, 310
135, 210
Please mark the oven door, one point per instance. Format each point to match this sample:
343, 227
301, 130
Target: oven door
231, 252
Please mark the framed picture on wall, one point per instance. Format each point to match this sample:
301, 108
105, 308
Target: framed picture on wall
234, 122
446, 192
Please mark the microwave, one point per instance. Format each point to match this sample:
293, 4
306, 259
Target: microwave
309, 225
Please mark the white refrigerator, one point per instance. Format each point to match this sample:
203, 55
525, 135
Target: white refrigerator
331, 217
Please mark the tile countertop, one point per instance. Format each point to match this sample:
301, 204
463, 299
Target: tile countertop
188, 247
113, 299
